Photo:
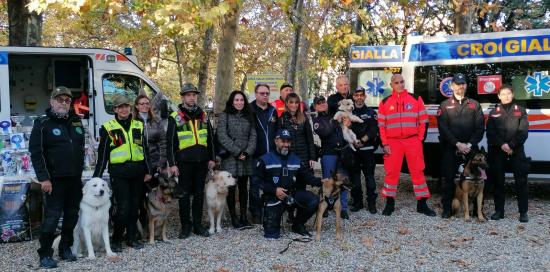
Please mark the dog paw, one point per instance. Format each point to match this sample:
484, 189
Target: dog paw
91, 257
111, 254
211, 231
467, 219
151, 242
338, 237
481, 219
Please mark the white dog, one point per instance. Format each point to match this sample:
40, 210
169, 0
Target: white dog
93, 223
345, 108
216, 195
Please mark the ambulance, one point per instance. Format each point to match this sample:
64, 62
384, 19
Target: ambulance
29, 74
488, 60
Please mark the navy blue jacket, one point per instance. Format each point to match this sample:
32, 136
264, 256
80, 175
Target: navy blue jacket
369, 127
266, 126
276, 170
330, 133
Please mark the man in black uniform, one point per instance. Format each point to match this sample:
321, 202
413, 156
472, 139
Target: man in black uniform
342, 92
461, 126
190, 153
281, 172
507, 131
57, 153
367, 133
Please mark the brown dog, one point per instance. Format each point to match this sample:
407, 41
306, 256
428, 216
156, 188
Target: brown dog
471, 184
330, 198
157, 207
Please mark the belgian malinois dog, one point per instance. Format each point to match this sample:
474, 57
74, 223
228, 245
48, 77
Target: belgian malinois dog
330, 198
470, 184
157, 202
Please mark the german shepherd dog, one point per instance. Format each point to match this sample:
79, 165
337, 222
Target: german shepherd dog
470, 184
330, 198
157, 207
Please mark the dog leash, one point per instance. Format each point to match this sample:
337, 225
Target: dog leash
301, 240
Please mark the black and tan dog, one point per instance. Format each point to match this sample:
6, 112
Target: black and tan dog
330, 198
470, 184
157, 207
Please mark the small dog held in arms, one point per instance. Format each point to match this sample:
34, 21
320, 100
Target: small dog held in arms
157, 205
345, 107
330, 199
470, 184
92, 228
216, 197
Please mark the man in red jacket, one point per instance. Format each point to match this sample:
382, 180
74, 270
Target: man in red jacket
402, 121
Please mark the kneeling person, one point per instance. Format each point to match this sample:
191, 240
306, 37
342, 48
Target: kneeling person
280, 170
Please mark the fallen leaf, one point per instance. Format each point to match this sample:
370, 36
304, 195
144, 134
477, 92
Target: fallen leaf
367, 241
493, 232
464, 239
369, 223
114, 259
460, 262
222, 269
521, 227
392, 250
404, 231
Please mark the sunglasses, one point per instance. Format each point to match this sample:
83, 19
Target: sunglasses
61, 100
263, 93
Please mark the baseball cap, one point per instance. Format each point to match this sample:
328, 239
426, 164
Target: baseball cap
318, 99
61, 90
459, 79
286, 84
188, 87
359, 89
119, 100
283, 134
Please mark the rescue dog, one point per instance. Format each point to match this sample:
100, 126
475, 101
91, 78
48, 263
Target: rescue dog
216, 197
330, 198
156, 203
470, 184
93, 221
345, 107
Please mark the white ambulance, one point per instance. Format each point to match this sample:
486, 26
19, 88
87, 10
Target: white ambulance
29, 74
488, 60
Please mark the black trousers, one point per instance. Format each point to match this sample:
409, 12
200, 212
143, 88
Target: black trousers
127, 192
191, 182
498, 160
450, 162
242, 183
365, 164
306, 204
64, 199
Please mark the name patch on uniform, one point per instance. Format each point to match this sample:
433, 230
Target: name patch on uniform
275, 180
56, 131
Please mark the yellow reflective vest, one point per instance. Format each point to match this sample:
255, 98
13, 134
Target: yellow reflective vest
190, 132
126, 146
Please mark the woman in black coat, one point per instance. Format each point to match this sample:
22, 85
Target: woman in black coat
507, 131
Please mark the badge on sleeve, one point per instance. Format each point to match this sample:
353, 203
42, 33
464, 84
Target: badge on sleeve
408, 106
316, 126
56, 131
275, 180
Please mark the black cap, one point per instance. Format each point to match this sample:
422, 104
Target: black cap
188, 87
459, 79
283, 134
286, 84
359, 89
318, 99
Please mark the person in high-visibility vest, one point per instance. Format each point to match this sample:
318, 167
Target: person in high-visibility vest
123, 146
190, 153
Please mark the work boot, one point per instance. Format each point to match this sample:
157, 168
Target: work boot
344, 215
356, 208
135, 244
244, 222
372, 207
300, 229
523, 218
185, 231
497, 215
48, 262
67, 255
116, 247
235, 222
390, 206
423, 208
200, 230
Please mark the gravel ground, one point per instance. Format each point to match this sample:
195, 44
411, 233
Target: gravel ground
405, 241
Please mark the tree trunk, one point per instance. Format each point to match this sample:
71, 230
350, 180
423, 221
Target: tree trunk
464, 13
25, 28
178, 61
226, 58
302, 68
296, 18
205, 61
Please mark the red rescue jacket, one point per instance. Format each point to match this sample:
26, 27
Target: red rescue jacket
401, 116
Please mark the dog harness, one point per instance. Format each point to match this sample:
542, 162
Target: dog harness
331, 200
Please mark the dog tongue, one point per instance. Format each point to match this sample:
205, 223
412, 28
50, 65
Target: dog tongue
483, 174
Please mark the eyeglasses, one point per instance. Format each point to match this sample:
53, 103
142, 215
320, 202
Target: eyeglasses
61, 100
263, 93
399, 82
144, 104
321, 102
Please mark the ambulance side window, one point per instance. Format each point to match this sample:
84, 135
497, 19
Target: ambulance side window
128, 85
523, 77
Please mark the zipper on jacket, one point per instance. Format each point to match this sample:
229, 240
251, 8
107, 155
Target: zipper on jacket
195, 132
